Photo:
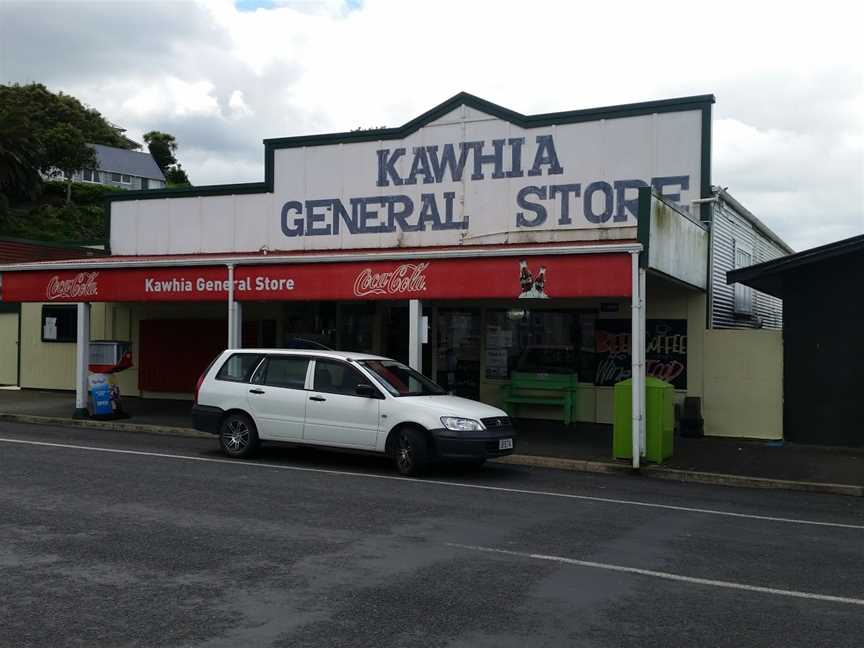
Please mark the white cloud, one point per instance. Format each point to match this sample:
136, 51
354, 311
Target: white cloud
789, 130
238, 105
173, 97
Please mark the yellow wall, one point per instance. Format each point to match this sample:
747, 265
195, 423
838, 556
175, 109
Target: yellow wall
51, 365
8, 348
744, 383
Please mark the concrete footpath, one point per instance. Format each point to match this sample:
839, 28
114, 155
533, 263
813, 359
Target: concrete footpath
586, 448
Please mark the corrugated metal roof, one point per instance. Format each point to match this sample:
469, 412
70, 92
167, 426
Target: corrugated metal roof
121, 160
768, 276
322, 256
23, 251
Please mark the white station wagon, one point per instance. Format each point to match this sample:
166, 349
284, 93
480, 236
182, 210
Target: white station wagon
344, 400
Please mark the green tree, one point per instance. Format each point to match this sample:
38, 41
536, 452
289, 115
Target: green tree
44, 131
176, 176
19, 152
69, 152
162, 147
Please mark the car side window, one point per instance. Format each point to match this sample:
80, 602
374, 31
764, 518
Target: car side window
334, 377
239, 367
285, 371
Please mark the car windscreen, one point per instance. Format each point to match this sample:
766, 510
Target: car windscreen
400, 380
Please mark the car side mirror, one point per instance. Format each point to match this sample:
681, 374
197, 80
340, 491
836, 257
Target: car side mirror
366, 390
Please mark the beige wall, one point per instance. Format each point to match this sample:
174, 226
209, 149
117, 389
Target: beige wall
51, 365
8, 348
744, 383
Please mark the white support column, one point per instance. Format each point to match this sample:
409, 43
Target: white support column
643, 341
82, 360
635, 355
232, 318
415, 340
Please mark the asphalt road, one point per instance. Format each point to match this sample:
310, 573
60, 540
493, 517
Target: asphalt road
145, 540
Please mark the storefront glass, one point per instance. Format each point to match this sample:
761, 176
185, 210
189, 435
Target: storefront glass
357, 327
458, 368
539, 341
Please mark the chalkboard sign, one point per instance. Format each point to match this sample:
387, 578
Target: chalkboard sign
665, 355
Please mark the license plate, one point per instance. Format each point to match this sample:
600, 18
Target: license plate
505, 444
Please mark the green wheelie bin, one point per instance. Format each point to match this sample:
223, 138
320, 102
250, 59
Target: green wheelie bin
659, 420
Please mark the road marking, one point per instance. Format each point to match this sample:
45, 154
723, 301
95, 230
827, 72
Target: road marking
498, 489
663, 575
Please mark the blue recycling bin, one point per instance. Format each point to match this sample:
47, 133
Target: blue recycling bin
100, 395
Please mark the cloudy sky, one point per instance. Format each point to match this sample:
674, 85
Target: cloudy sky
223, 75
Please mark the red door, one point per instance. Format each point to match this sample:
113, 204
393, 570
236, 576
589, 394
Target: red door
175, 352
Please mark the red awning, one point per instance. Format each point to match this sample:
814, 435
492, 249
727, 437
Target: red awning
550, 272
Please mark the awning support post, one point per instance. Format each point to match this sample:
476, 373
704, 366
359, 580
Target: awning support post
636, 334
232, 310
82, 361
415, 340
643, 341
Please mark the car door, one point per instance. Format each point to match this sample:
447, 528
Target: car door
277, 397
335, 413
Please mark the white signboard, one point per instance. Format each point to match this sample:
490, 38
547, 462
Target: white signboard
467, 177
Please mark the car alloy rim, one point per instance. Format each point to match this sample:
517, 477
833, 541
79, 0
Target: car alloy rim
406, 452
237, 436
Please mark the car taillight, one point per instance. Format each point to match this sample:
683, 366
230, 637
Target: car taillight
200, 382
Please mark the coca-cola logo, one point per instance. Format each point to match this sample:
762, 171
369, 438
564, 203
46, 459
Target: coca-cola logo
81, 285
408, 277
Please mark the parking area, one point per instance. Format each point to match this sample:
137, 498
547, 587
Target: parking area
134, 539
540, 438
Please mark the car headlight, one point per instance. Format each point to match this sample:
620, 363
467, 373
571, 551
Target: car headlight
461, 424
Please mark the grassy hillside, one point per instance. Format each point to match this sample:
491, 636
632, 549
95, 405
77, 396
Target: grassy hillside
49, 219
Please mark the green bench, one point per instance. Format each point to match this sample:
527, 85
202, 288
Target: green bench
541, 389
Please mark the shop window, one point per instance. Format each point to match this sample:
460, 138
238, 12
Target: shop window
60, 323
239, 367
458, 369
560, 342
310, 327
743, 294
356, 325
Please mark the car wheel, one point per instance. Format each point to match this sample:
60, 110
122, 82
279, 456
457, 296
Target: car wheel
238, 436
411, 451
475, 463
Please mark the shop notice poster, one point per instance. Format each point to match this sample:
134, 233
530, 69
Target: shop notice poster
665, 355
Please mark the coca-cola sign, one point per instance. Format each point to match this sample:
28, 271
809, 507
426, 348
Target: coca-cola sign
81, 285
405, 278
534, 277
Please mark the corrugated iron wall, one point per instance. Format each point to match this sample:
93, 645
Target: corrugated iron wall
728, 229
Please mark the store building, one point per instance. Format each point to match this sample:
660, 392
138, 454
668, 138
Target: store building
823, 349
17, 250
471, 242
